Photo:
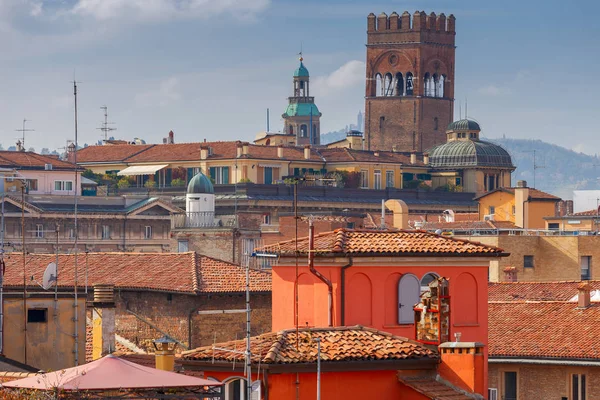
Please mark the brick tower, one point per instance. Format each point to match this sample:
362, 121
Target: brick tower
409, 99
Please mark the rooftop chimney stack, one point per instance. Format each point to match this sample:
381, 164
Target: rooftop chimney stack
171, 138
203, 152
245, 147
307, 152
238, 148
280, 151
510, 274
426, 158
584, 297
103, 321
413, 158
463, 365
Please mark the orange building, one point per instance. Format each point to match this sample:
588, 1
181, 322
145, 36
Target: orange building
416, 291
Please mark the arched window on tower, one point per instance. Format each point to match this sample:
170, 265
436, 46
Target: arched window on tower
378, 85
388, 87
399, 91
426, 88
435, 83
409, 84
314, 134
441, 83
303, 130
291, 130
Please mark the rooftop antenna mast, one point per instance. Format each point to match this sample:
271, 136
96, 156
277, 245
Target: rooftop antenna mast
536, 166
23, 130
105, 128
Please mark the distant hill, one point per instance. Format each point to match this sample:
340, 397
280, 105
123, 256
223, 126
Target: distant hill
559, 170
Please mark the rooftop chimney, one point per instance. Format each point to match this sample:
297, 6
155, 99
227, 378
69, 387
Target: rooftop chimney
413, 158
583, 297
103, 321
510, 274
425, 158
203, 152
463, 365
238, 148
400, 213
280, 151
245, 147
307, 152
521, 184
171, 138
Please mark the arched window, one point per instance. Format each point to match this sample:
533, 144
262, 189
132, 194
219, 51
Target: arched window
387, 85
378, 85
426, 87
268, 142
399, 91
303, 130
409, 84
435, 83
440, 86
408, 295
291, 129
426, 280
314, 134
435, 124
235, 388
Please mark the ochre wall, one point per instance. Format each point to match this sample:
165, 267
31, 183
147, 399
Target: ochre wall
502, 201
50, 345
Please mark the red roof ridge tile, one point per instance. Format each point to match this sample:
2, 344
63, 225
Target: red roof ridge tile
538, 282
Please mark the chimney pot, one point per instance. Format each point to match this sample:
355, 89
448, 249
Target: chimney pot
307, 152
245, 147
426, 158
413, 158
584, 297
510, 274
522, 184
280, 151
203, 152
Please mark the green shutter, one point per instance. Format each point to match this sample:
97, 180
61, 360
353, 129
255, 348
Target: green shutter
225, 175
213, 173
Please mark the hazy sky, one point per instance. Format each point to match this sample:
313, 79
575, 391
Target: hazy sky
210, 68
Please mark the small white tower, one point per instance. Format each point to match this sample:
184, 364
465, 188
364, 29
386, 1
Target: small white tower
200, 202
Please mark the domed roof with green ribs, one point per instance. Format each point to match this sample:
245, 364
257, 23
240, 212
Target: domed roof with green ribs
301, 71
463, 125
301, 110
469, 153
200, 183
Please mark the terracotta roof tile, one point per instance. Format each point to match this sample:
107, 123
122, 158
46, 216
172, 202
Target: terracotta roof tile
433, 389
347, 241
353, 343
535, 291
110, 153
29, 160
543, 329
172, 272
588, 213
534, 194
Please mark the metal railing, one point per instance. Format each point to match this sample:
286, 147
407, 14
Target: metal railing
203, 219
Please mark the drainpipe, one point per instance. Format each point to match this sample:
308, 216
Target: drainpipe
311, 267
343, 279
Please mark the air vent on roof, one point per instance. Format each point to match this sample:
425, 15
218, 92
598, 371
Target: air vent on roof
48, 167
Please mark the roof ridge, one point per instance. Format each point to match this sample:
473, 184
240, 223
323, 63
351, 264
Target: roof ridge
541, 282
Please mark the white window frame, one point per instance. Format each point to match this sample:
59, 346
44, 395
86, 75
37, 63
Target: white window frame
266, 219
39, 231
389, 179
492, 394
63, 186
588, 261
105, 232
364, 179
377, 179
581, 394
148, 232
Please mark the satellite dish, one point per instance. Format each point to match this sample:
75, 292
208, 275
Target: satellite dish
50, 276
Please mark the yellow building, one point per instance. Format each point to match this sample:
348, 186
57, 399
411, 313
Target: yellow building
525, 207
42, 334
586, 221
241, 162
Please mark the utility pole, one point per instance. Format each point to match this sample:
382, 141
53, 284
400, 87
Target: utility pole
23, 130
105, 128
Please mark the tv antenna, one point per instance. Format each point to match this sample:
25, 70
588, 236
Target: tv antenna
23, 130
536, 166
105, 128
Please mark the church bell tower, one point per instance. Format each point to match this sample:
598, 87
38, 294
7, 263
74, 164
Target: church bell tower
302, 117
409, 99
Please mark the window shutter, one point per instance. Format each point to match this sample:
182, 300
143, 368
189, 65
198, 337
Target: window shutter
409, 290
225, 175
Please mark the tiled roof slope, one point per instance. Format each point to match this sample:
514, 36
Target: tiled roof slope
543, 330
29, 160
354, 343
171, 272
535, 291
588, 213
433, 389
392, 242
161, 153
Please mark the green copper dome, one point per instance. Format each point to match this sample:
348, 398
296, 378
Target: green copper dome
200, 183
301, 71
301, 110
463, 125
469, 153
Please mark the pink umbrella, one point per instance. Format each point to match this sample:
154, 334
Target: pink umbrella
109, 373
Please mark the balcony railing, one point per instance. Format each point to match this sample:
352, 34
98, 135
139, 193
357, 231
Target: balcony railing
204, 220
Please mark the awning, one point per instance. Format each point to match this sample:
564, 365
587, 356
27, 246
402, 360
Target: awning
270, 165
141, 170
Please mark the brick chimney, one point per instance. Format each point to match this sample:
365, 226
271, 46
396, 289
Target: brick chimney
103, 321
510, 274
583, 296
463, 366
